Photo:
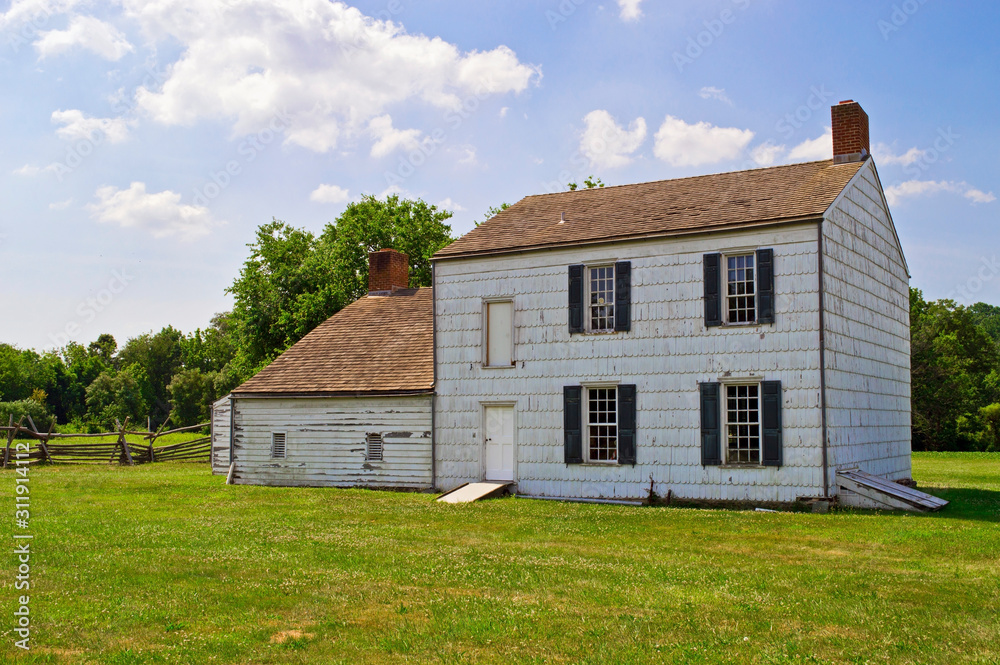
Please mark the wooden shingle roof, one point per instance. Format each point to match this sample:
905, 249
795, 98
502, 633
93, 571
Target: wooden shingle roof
666, 207
377, 345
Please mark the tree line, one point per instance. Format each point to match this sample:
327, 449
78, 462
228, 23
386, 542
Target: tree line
293, 280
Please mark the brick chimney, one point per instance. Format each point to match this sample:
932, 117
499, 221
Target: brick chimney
388, 270
850, 132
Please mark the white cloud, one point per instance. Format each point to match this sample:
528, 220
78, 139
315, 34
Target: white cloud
468, 154
27, 170
161, 214
608, 145
885, 154
88, 33
448, 204
766, 153
319, 69
503, 111
630, 10
681, 144
812, 150
76, 126
389, 139
710, 92
35, 12
330, 194
912, 188
61, 205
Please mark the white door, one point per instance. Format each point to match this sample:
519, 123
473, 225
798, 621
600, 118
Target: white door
499, 443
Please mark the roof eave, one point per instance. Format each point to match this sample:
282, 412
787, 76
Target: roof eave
335, 393
631, 238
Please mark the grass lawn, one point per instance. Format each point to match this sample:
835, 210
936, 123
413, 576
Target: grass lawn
165, 564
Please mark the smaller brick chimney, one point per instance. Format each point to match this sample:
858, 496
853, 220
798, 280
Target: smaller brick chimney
388, 270
850, 132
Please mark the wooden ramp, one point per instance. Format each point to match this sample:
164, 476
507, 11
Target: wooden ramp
475, 491
886, 492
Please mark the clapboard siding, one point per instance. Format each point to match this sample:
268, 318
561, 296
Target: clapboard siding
667, 353
867, 321
220, 435
325, 441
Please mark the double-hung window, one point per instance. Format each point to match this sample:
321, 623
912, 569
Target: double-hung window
602, 424
741, 289
602, 298
742, 424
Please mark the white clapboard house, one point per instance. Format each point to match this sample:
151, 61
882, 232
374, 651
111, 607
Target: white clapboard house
349, 405
733, 337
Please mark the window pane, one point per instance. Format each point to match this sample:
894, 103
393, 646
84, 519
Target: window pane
741, 289
602, 420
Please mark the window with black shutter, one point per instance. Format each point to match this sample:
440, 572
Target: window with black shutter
626, 424
765, 286
576, 299
739, 288
713, 304
600, 298
771, 422
623, 296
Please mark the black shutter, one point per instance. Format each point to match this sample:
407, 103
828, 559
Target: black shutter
623, 296
765, 286
713, 303
771, 417
711, 452
573, 423
576, 299
626, 424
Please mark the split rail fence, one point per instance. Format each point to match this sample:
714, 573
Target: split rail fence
61, 448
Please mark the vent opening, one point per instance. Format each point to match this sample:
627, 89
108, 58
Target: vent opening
277, 445
373, 447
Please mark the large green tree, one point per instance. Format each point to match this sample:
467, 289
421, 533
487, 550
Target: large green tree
953, 373
295, 280
159, 357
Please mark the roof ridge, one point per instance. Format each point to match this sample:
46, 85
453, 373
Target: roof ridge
687, 177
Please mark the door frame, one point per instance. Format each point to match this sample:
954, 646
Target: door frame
512, 404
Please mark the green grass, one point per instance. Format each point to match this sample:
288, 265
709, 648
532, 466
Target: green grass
165, 564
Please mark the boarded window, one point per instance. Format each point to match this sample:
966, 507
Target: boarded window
373, 447
499, 329
277, 445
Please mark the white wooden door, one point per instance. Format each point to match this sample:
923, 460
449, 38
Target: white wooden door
499, 443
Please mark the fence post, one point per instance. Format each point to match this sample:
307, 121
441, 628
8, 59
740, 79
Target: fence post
124, 443
46, 457
10, 438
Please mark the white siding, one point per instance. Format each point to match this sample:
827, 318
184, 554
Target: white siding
867, 321
667, 353
220, 435
325, 441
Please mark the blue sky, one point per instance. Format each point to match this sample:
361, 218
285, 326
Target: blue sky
143, 142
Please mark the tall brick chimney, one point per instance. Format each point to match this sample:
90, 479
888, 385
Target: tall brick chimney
850, 132
388, 270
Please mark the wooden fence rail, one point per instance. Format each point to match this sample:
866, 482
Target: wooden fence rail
56, 448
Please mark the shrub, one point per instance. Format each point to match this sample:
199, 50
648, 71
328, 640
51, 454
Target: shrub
25, 407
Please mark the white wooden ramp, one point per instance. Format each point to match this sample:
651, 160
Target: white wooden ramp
886, 492
475, 491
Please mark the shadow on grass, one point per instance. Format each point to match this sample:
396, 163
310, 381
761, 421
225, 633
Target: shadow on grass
967, 503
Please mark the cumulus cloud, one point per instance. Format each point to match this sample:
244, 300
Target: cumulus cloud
36, 12
913, 188
606, 143
327, 66
812, 150
886, 155
330, 194
61, 205
630, 9
710, 92
162, 214
87, 33
388, 139
77, 126
766, 153
27, 170
681, 144
448, 204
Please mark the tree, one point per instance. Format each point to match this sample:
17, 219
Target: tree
988, 317
159, 356
293, 280
493, 212
118, 395
952, 360
591, 182
191, 395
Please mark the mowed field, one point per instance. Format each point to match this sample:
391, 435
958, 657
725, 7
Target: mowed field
164, 563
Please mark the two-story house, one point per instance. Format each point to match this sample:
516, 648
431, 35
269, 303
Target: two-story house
734, 337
